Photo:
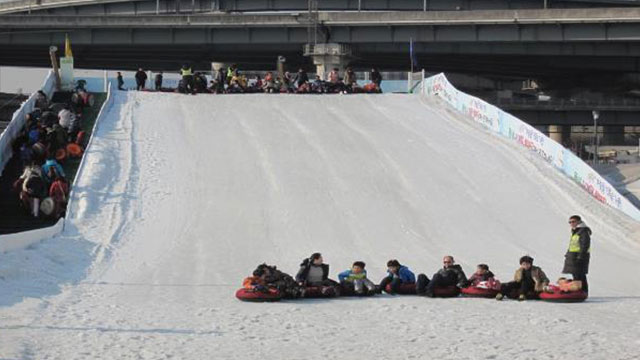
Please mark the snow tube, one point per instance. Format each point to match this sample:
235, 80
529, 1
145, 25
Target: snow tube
446, 291
47, 206
564, 296
80, 138
314, 292
347, 290
74, 150
403, 289
39, 149
370, 88
61, 154
258, 296
473, 291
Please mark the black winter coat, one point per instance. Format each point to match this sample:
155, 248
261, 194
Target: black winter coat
454, 270
141, 77
304, 271
578, 262
376, 78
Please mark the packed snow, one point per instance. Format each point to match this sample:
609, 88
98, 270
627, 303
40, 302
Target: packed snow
182, 196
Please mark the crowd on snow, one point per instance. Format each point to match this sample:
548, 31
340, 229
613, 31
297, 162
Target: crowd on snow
528, 282
51, 134
231, 80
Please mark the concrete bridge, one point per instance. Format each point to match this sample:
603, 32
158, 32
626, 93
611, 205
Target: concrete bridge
138, 7
525, 42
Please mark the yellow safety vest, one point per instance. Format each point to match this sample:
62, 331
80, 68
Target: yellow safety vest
574, 244
185, 72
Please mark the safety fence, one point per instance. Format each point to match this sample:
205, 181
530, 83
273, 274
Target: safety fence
525, 135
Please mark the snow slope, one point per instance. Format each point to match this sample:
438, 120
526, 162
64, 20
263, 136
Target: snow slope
182, 196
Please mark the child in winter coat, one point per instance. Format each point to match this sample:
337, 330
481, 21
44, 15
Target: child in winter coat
257, 282
283, 282
51, 170
356, 279
484, 278
397, 275
528, 282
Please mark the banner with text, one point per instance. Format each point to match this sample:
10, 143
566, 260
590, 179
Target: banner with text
527, 136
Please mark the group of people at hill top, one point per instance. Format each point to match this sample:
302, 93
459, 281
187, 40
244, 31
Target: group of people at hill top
528, 282
231, 80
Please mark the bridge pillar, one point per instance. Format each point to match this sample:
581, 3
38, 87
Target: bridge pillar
557, 132
613, 135
328, 56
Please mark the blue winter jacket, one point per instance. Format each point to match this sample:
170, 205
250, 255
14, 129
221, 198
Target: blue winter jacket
405, 275
47, 165
349, 275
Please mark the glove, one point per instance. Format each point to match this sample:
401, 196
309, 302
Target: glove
261, 288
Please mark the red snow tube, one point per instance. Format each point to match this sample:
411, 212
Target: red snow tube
61, 155
316, 292
80, 138
564, 296
258, 296
403, 289
74, 150
313, 292
473, 291
446, 291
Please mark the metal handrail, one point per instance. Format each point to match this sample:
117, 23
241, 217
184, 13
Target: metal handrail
568, 103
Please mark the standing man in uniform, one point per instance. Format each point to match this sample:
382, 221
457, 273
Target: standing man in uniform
576, 260
187, 78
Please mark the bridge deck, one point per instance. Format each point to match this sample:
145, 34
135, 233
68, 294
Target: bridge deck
388, 18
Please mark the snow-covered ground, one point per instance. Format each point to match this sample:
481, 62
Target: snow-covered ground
182, 196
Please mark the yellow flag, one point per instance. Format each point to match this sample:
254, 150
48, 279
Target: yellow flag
67, 46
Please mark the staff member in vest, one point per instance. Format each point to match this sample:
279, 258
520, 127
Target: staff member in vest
576, 260
187, 78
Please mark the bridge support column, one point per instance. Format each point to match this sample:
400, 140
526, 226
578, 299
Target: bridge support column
557, 132
613, 135
326, 57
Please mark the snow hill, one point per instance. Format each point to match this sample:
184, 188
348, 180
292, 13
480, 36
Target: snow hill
182, 196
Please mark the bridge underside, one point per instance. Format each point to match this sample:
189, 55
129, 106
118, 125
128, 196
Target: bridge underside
578, 44
138, 7
541, 60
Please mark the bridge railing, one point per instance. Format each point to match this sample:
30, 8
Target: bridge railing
525, 135
607, 103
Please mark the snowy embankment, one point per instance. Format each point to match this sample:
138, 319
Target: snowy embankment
182, 196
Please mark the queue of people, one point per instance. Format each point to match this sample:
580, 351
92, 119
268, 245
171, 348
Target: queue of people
529, 281
232, 81
51, 134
